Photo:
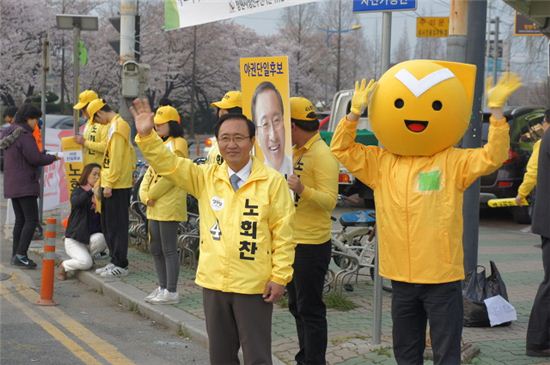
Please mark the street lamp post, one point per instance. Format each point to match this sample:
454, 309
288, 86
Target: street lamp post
76, 23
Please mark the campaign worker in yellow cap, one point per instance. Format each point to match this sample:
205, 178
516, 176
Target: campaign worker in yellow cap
230, 103
316, 191
166, 207
117, 168
94, 137
419, 110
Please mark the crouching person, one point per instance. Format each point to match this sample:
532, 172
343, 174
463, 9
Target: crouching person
83, 237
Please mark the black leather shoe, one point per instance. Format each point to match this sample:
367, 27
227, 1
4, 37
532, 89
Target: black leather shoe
538, 353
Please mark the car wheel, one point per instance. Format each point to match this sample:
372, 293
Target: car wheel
521, 215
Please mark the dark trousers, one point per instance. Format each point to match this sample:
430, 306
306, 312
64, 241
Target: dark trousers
415, 304
237, 320
538, 331
164, 248
305, 301
26, 220
114, 224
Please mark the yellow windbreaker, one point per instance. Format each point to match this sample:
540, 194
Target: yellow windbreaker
246, 236
530, 177
170, 200
95, 136
119, 160
419, 201
318, 172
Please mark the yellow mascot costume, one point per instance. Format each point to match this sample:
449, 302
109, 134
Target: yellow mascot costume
419, 110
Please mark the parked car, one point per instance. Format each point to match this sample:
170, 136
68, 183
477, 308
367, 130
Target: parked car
503, 183
58, 121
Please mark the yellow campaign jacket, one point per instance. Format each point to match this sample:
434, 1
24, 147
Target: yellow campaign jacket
318, 172
246, 235
170, 200
119, 160
530, 177
419, 201
95, 136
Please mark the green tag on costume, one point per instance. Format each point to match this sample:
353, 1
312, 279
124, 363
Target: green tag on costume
429, 181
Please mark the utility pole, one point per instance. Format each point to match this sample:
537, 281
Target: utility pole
298, 53
475, 54
377, 306
76, 74
62, 91
128, 12
193, 83
339, 45
44, 73
458, 25
495, 55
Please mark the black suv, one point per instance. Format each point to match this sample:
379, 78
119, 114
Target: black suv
525, 130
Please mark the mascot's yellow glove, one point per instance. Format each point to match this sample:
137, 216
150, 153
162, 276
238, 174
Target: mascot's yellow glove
498, 94
361, 95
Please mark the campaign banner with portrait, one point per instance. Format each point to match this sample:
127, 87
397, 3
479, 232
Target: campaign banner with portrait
183, 13
266, 101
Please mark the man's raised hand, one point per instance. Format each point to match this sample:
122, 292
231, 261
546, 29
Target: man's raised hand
143, 116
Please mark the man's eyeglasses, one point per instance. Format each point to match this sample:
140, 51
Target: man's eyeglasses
238, 139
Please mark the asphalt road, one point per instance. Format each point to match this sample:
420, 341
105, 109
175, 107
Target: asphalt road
85, 327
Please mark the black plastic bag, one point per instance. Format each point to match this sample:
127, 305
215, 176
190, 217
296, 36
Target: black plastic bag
476, 288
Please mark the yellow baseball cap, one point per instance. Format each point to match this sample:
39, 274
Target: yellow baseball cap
94, 107
85, 98
166, 114
302, 109
231, 99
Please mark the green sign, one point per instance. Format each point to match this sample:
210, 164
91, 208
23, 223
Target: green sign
82, 53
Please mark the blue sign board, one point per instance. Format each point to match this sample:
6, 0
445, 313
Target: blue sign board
383, 5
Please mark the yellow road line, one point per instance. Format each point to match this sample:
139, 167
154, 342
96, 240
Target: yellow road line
72, 346
103, 348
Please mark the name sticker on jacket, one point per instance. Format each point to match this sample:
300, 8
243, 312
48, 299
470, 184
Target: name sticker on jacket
429, 181
248, 232
216, 203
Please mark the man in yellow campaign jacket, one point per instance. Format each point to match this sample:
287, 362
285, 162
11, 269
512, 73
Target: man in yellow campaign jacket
94, 138
419, 110
246, 249
315, 184
166, 207
530, 177
230, 103
116, 182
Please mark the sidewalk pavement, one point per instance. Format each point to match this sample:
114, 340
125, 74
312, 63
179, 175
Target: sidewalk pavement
350, 342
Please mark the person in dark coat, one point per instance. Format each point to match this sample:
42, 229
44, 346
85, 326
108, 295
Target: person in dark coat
538, 331
22, 161
83, 237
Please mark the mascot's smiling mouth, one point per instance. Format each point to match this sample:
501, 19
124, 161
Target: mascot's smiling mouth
416, 126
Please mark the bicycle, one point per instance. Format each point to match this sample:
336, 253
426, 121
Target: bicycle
354, 248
